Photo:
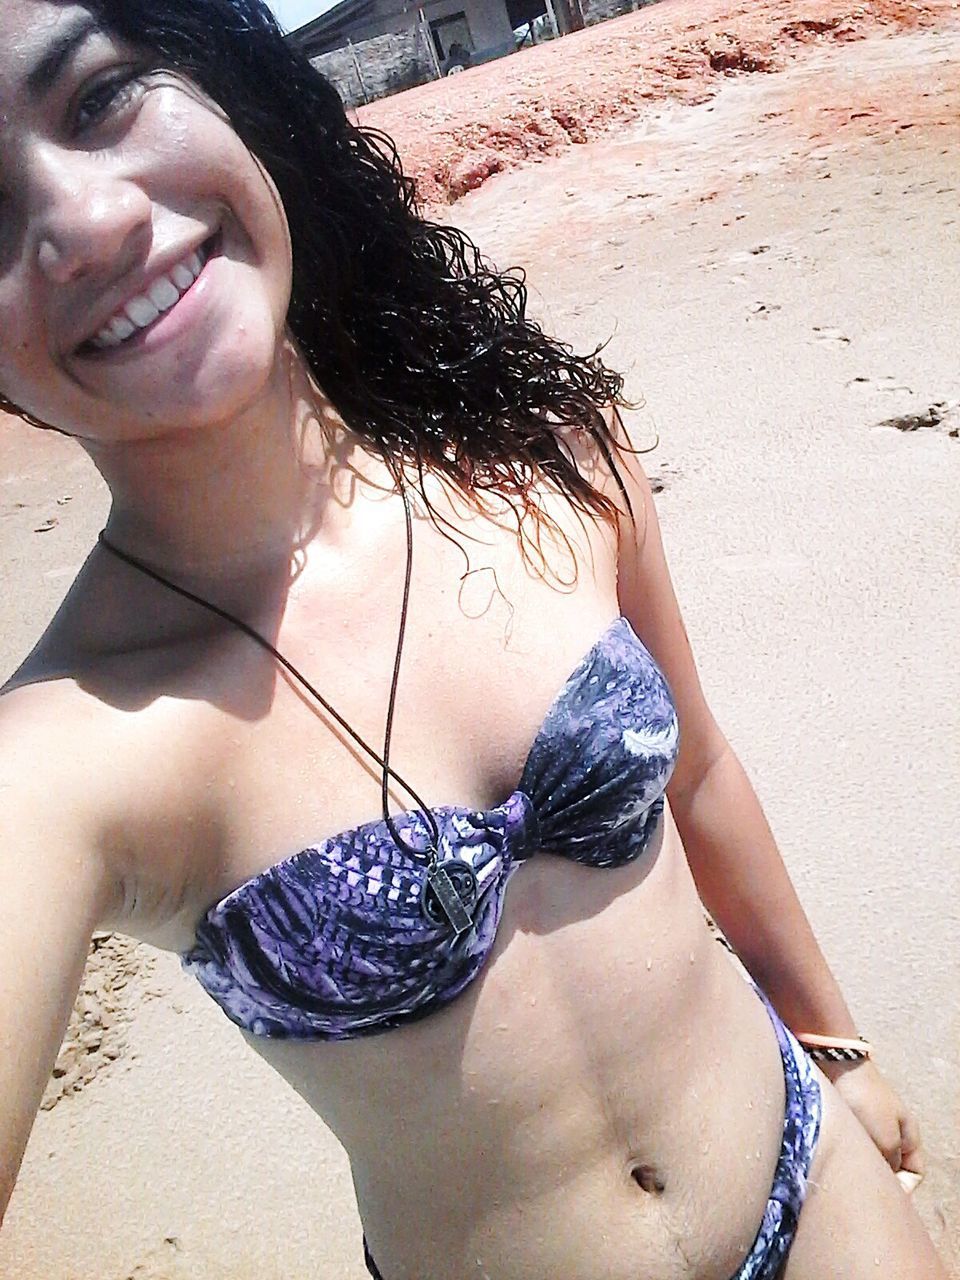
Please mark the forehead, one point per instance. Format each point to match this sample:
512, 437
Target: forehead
28, 26
29, 29
36, 37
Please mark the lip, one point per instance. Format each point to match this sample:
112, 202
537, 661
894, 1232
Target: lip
209, 248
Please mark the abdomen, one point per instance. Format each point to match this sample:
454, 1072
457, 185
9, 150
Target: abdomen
606, 1099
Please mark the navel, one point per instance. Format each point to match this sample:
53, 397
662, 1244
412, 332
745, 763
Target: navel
648, 1178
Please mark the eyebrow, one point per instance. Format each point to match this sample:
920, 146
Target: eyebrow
55, 58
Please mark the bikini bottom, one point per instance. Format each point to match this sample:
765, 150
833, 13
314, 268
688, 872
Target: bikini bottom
801, 1127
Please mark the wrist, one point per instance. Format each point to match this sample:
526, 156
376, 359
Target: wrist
835, 1055
836, 1072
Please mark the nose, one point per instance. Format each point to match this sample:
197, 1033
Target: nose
88, 219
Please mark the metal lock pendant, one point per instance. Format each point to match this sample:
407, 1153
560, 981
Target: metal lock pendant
450, 894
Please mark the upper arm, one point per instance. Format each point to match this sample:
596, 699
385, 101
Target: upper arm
648, 600
54, 890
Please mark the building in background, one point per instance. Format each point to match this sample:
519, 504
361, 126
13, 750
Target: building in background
372, 48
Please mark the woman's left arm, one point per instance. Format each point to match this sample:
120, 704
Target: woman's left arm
739, 873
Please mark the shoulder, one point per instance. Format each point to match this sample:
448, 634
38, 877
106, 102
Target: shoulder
91, 781
49, 786
648, 600
614, 468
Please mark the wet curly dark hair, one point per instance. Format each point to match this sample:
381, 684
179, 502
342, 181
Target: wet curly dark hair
422, 346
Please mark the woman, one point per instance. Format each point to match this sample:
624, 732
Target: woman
378, 544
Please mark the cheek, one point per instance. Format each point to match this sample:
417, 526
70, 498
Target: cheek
268, 225
22, 379
204, 160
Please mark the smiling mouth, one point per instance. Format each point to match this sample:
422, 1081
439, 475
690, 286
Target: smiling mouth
141, 313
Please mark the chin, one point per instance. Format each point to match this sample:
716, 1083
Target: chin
218, 385
225, 386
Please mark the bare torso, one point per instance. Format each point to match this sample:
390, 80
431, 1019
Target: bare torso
607, 1098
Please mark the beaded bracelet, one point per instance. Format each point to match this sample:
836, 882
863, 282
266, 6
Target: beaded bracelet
835, 1048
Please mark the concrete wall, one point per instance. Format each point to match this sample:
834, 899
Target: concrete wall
388, 63
392, 60
399, 59
487, 19
488, 22
380, 20
599, 10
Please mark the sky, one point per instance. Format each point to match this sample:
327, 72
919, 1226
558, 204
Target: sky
294, 13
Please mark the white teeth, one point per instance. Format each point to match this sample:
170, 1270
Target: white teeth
143, 311
164, 294
182, 276
122, 328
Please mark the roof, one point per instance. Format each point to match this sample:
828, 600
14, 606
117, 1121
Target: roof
319, 32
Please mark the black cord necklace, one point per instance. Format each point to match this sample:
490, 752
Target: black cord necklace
450, 892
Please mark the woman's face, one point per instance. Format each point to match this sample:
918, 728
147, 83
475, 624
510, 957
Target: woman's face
144, 255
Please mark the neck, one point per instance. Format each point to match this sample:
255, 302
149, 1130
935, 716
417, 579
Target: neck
235, 498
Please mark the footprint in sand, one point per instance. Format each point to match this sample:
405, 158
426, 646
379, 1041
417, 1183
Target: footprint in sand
162, 1263
942, 416
663, 478
110, 991
745, 255
762, 310
171, 1260
871, 385
831, 335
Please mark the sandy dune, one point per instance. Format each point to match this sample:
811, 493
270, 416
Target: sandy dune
776, 260
453, 134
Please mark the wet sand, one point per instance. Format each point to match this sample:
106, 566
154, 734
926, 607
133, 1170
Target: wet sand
777, 267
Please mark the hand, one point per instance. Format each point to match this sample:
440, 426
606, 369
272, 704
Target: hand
878, 1108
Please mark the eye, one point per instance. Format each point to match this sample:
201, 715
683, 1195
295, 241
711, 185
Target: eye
107, 95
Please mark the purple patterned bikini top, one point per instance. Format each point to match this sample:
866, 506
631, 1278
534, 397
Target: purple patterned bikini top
334, 942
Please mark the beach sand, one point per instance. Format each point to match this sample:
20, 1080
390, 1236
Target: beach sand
775, 257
